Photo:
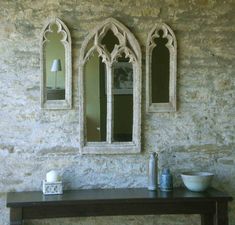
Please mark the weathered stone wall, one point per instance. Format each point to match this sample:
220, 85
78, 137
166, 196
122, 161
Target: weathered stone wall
199, 136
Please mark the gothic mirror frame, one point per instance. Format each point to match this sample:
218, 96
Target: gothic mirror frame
66, 41
129, 46
171, 45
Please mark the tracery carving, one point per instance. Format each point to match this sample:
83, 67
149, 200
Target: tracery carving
107, 57
60, 30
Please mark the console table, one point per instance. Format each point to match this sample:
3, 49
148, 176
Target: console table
212, 205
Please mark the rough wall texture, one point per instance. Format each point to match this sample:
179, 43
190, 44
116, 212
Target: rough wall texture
199, 136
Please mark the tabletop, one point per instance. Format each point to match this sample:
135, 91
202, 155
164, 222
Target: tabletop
22, 199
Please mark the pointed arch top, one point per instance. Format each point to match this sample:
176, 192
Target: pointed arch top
167, 33
127, 42
62, 29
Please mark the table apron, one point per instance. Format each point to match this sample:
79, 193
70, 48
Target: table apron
115, 209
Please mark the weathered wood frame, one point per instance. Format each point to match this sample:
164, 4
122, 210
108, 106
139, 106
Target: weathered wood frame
130, 47
66, 41
172, 47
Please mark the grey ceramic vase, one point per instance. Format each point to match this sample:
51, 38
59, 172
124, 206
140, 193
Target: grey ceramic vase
166, 180
152, 172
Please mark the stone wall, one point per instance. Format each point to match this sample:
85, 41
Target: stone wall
199, 136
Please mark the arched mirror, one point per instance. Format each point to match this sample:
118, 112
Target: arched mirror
56, 66
161, 69
110, 90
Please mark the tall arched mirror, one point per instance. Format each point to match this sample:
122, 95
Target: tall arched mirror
56, 66
110, 90
161, 69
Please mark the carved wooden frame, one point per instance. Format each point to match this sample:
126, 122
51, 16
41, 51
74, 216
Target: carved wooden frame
66, 41
172, 47
130, 47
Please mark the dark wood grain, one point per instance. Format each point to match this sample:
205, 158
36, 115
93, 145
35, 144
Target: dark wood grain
106, 202
221, 212
16, 216
207, 219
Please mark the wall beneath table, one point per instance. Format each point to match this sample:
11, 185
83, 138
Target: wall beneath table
199, 136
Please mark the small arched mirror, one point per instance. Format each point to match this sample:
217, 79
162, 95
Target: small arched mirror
161, 69
110, 90
56, 66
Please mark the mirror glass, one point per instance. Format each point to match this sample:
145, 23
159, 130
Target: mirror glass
160, 70
122, 100
54, 64
95, 99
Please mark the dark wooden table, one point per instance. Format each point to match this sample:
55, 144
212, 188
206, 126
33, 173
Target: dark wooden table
212, 205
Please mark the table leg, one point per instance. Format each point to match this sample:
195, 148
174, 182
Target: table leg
221, 217
207, 219
16, 216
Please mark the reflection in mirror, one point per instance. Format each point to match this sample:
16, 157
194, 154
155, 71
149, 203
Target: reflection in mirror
56, 66
95, 99
160, 70
54, 60
123, 100
109, 41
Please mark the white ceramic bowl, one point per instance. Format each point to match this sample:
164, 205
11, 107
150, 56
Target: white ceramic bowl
197, 181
